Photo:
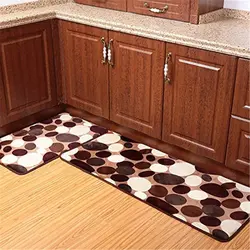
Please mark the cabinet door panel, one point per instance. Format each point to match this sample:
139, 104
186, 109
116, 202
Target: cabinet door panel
86, 76
238, 155
241, 106
110, 4
198, 101
136, 83
27, 71
177, 9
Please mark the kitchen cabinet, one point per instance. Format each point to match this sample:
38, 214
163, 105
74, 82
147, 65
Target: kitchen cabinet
198, 99
136, 83
86, 77
27, 77
109, 4
172, 9
241, 106
238, 154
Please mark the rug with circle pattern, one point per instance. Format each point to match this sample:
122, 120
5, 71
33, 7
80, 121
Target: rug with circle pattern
210, 203
36, 145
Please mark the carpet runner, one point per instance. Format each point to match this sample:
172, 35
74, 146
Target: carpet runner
214, 205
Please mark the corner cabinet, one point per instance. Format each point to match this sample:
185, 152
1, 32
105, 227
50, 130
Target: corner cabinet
198, 100
136, 83
86, 76
27, 77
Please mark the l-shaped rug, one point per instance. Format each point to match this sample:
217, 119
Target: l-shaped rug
212, 204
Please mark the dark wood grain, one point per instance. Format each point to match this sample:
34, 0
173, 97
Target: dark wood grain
110, 4
241, 106
136, 83
238, 154
197, 103
86, 78
27, 79
177, 9
207, 165
206, 6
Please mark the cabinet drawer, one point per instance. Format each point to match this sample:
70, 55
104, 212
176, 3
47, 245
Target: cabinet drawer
241, 106
172, 9
238, 145
110, 4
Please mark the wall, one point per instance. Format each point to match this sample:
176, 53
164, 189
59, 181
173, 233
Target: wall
237, 4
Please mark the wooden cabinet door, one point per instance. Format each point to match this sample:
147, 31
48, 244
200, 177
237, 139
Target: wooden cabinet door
238, 154
136, 83
175, 9
241, 106
110, 4
86, 78
27, 81
198, 100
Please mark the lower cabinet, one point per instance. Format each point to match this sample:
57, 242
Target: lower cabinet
27, 77
86, 77
197, 100
238, 154
136, 83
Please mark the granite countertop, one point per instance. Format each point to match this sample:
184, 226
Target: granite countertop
228, 35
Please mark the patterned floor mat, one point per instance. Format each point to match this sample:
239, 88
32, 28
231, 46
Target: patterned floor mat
217, 206
42, 142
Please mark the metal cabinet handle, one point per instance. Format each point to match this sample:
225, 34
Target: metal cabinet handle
110, 59
156, 10
166, 68
104, 51
247, 136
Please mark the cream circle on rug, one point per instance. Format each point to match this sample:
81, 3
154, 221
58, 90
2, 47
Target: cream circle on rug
242, 188
6, 138
116, 158
79, 130
158, 168
230, 226
67, 155
245, 206
143, 146
109, 138
65, 117
158, 153
197, 195
62, 129
117, 147
43, 142
201, 226
88, 124
41, 151
182, 169
17, 143
140, 195
9, 159
222, 179
193, 180
110, 181
139, 184
181, 217
85, 138
30, 160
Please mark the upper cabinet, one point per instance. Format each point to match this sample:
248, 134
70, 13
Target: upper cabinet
86, 74
198, 99
109, 4
136, 82
241, 106
27, 80
182, 10
172, 9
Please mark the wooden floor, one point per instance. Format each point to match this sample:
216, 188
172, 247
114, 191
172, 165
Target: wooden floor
60, 207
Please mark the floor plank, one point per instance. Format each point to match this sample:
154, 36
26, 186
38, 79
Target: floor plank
60, 207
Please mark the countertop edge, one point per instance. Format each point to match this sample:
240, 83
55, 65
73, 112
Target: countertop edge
55, 12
